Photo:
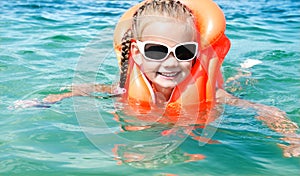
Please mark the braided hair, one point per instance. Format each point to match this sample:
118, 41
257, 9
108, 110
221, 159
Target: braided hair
166, 8
125, 50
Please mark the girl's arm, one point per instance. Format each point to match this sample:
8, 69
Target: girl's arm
80, 90
273, 117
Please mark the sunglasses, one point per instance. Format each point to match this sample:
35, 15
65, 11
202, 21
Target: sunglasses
157, 51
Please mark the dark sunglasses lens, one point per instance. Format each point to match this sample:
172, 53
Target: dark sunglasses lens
155, 51
186, 52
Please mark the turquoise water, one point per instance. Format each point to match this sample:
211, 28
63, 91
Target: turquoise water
46, 45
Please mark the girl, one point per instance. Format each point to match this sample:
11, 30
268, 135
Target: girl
169, 56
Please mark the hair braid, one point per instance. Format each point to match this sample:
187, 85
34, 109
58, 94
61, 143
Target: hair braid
125, 51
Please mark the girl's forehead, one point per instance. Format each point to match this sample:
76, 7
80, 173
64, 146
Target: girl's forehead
172, 31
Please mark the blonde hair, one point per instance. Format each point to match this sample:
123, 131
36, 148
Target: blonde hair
169, 9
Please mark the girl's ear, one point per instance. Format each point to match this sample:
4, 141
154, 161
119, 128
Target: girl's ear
135, 53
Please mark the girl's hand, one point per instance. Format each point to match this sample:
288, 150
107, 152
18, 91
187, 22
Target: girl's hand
29, 103
53, 98
277, 121
292, 150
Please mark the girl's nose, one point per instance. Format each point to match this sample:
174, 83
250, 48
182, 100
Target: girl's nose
171, 61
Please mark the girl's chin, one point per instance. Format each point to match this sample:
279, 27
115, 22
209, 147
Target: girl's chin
168, 84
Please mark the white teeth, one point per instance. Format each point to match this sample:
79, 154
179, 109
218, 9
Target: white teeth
168, 74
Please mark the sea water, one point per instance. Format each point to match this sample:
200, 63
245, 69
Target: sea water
46, 46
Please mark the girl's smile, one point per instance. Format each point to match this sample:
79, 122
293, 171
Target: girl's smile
168, 75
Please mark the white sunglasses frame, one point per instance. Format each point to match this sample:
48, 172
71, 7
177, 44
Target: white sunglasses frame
141, 47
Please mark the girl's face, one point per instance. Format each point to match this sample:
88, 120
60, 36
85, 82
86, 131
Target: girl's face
169, 72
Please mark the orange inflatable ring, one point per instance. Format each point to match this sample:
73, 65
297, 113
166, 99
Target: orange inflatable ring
197, 93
